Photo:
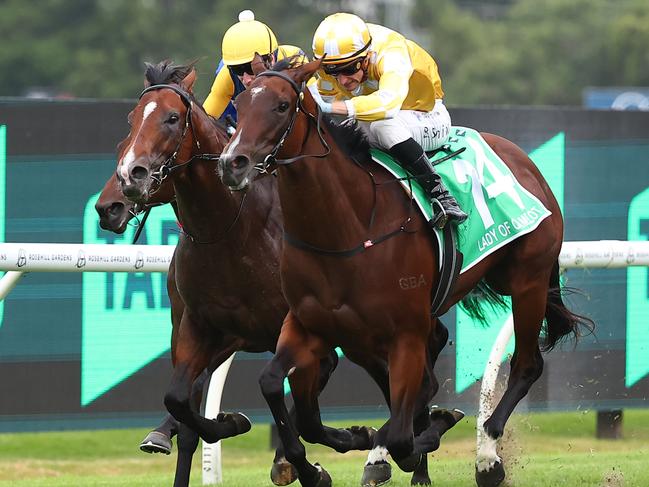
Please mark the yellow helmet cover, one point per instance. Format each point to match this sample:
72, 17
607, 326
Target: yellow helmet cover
342, 37
245, 38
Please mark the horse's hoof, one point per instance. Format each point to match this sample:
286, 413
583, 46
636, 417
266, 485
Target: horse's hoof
376, 474
408, 464
420, 475
237, 423
363, 437
420, 480
449, 417
492, 477
283, 473
156, 442
324, 479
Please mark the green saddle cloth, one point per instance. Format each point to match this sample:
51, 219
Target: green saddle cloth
500, 210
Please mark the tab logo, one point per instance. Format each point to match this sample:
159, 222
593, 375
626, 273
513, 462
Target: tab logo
126, 319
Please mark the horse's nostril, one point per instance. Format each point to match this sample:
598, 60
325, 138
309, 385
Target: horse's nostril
138, 172
115, 209
240, 161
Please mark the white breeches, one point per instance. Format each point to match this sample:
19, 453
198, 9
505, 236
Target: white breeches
429, 129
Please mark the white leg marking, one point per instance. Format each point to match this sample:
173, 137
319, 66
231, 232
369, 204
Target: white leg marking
376, 455
486, 451
486, 455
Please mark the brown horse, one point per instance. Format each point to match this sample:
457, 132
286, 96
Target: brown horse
342, 286
226, 263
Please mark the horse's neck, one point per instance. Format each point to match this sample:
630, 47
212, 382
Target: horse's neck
325, 201
205, 206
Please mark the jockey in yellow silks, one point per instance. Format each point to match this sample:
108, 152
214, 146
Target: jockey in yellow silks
234, 72
393, 88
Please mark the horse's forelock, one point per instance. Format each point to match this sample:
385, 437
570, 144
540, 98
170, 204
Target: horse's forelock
165, 72
288, 63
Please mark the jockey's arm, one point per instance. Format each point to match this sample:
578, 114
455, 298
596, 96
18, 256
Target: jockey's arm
220, 93
395, 70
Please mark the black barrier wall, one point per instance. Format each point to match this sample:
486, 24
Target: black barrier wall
92, 350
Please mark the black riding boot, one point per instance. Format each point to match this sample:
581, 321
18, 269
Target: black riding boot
413, 159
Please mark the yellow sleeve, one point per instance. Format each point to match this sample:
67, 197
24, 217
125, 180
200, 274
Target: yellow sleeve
220, 94
394, 69
329, 88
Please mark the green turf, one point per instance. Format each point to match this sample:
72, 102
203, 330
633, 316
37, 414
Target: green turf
539, 450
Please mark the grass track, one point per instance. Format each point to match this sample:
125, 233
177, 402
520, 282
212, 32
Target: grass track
539, 450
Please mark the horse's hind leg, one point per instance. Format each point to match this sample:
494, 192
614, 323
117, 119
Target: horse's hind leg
528, 307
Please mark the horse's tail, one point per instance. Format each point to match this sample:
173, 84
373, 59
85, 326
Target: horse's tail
559, 320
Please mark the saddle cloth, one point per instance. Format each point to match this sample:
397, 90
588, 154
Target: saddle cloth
499, 208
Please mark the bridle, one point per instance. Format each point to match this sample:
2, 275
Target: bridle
169, 165
271, 158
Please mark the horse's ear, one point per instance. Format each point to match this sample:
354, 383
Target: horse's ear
258, 65
188, 81
305, 71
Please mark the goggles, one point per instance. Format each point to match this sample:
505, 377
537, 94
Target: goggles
241, 69
346, 69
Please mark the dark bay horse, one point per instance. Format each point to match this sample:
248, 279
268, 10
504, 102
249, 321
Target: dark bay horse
343, 288
225, 268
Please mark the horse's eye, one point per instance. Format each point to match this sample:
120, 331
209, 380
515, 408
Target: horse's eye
173, 118
282, 107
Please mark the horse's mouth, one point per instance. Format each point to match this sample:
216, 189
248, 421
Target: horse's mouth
245, 182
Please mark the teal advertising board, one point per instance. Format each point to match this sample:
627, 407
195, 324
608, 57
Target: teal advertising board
91, 350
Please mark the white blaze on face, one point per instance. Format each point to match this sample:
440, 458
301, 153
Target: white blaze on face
129, 157
232, 145
257, 90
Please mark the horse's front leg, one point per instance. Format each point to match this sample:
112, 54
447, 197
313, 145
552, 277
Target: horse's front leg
293, 352
283, 473
193, 354
429, 424
304, 384
406, 361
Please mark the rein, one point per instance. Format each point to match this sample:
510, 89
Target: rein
271, 159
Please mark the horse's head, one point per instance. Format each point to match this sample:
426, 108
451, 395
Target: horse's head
160, 123
114, 209
266, 113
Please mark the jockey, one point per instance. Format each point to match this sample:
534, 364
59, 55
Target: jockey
392, 86
240, 43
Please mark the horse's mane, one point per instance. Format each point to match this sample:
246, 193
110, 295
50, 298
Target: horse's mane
167, 73
347, 133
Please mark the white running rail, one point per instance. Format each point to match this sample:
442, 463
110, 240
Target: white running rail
19, 258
